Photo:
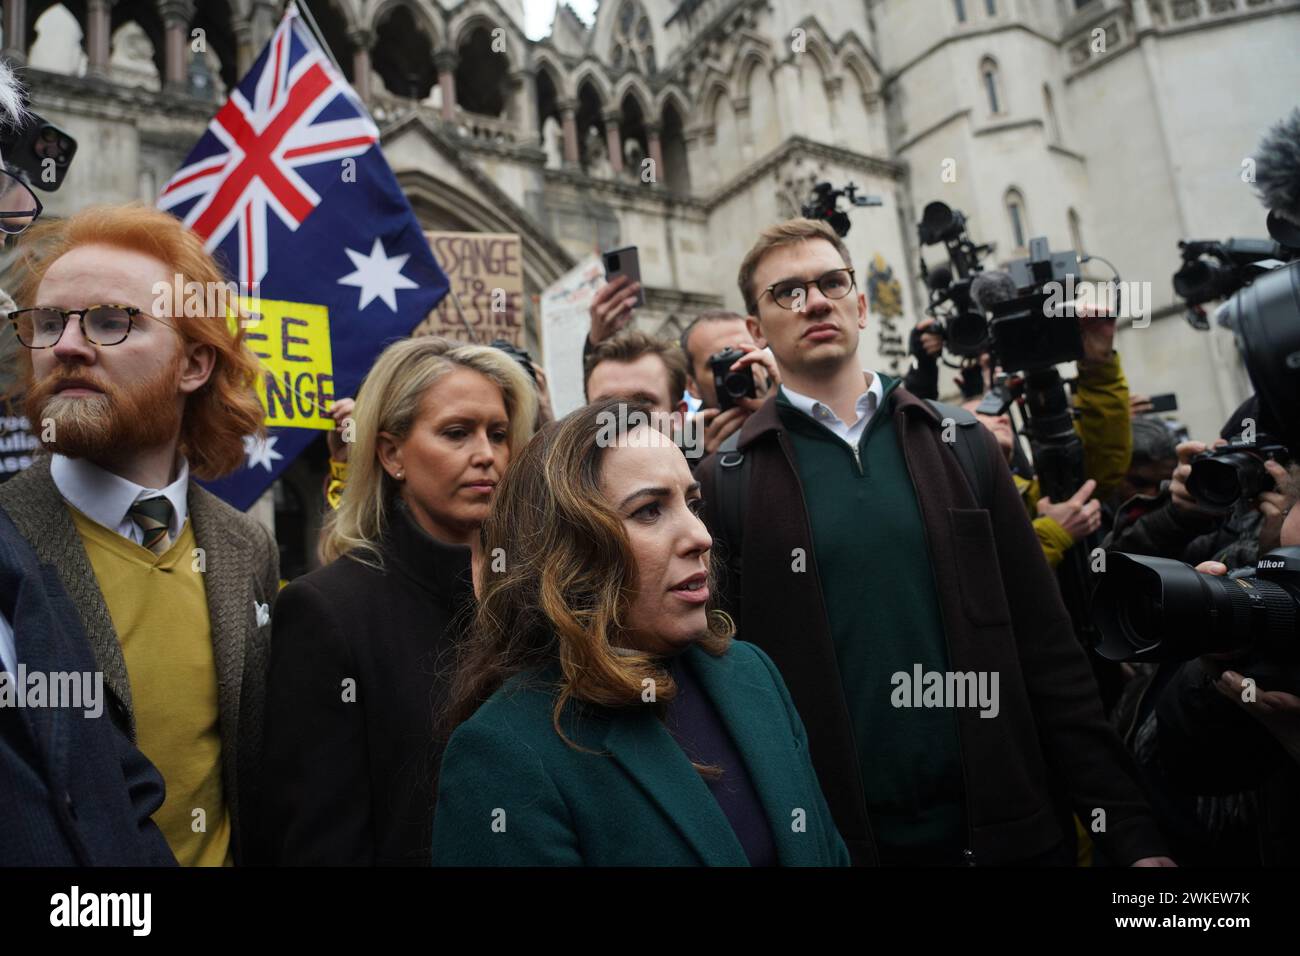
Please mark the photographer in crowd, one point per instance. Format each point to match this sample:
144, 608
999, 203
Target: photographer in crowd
720, 352
1239, 808
872, 549
1152, 464
1177, 524
1102, 422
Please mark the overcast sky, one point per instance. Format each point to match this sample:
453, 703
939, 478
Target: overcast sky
538, 15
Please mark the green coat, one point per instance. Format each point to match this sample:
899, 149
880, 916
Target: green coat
637, 801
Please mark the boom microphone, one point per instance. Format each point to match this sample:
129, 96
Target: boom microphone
990, 288
1277, 179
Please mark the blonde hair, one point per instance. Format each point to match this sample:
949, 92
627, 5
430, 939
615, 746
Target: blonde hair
784, 234
389, 401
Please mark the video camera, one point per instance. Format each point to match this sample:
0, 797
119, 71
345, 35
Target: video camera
825, 205
958, 318
1036, 329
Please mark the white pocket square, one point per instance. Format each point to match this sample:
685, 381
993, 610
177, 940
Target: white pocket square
263, 613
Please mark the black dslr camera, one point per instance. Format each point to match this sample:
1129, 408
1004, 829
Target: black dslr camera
731, 386
1157, 609
40, 151
1225, 474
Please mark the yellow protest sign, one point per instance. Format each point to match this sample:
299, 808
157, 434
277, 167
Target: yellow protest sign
292, 343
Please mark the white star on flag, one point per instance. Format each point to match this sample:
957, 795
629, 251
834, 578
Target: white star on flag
261, 451
377, 276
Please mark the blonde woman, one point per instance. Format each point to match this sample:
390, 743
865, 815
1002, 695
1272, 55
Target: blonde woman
357, 645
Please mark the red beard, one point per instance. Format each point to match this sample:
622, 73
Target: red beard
107, 427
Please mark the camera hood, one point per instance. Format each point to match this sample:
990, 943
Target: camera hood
1265, 317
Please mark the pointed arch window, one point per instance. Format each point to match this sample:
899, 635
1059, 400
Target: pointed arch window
991, 82
1053, 121
1017, 218
633, 39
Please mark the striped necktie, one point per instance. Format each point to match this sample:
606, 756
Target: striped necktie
154, 517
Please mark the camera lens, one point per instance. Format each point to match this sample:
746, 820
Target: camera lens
736, 384
1214, 482
1219, 482
1155, 609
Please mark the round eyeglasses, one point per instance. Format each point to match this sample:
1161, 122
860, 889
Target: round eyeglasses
792, 293
42, 327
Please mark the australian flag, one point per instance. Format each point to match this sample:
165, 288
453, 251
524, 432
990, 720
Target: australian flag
291, 193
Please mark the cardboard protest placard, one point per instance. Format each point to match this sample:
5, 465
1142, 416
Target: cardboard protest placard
487, 276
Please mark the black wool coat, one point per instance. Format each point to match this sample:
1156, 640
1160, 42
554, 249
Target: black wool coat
359, 661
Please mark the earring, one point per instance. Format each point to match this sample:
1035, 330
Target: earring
400, 475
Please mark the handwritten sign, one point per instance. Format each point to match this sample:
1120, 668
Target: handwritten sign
292, 343
487, 276
563, 327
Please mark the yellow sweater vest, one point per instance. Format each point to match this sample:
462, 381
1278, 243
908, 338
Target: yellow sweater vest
160, 611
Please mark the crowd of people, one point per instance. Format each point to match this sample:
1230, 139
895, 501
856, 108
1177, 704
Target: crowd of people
829, 633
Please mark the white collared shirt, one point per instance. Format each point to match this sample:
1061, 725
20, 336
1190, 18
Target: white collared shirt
819, 412
106, 498
8, 650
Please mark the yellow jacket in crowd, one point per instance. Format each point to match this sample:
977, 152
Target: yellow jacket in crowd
1101, 403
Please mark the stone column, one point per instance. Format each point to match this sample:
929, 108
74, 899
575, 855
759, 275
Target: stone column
361, 40
740, 107
446, 61
613, 140
176, 16
569, 120
244, 52
652, 131
15, 22
264, 19
98, 36
692, 142
524, 93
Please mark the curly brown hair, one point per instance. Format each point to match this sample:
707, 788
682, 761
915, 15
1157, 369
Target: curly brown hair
568, 581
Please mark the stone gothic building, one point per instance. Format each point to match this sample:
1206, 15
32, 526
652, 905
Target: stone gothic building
683, 126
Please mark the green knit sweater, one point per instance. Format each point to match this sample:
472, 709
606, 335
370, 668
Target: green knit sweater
879, 590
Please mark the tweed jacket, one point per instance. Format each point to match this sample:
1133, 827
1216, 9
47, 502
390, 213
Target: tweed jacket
241, 578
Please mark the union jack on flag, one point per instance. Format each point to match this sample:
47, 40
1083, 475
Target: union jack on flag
291, 193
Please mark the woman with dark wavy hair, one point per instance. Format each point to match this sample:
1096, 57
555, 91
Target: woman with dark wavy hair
604, 714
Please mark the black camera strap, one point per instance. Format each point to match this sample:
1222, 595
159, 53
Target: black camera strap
732, 482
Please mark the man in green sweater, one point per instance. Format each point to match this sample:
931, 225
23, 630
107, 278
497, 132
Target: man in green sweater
952, 715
